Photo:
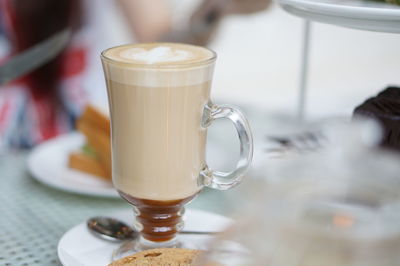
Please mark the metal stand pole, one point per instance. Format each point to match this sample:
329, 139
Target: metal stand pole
304, 71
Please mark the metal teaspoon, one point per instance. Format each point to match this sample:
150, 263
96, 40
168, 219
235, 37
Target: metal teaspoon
112, 229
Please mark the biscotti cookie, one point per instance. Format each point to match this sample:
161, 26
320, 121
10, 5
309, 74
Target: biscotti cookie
161, 257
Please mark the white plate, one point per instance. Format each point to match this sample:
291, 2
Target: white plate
359, 14
78, 247
48, 163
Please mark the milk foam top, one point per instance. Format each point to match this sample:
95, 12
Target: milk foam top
176, 64
156, 55
161, 54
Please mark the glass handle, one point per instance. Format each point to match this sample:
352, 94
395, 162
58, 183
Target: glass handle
222, 180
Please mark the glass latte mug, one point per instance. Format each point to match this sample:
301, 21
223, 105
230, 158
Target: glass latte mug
159, 99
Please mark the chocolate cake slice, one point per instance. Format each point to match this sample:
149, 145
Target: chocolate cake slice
385, 108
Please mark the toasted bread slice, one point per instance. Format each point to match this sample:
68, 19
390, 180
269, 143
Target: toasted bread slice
85, 163
97, 118
99, 141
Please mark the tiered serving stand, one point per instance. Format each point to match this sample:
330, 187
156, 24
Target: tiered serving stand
358, 14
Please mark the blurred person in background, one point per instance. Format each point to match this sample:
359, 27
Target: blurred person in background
46, 102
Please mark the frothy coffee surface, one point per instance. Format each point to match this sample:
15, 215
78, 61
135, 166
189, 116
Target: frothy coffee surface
159, 54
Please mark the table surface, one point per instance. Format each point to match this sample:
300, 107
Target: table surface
34, 217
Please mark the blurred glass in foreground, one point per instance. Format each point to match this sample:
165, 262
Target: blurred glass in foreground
337, 206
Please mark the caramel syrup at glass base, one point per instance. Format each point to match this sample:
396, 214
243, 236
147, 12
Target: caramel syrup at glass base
158, 218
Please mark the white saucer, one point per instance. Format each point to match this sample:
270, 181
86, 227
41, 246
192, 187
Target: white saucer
78, 247
48, 163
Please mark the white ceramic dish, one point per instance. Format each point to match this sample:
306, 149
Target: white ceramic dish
359, 14
48, 163
78, 247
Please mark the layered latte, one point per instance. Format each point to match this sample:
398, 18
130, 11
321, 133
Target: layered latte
157, 94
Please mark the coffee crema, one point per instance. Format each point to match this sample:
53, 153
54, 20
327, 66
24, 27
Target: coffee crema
163, 54
159, 64
157, 139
